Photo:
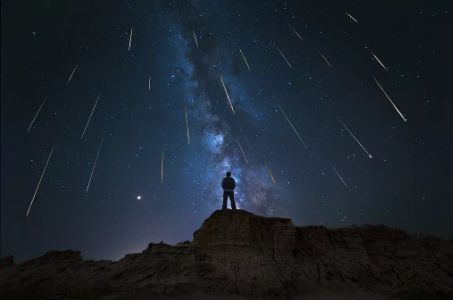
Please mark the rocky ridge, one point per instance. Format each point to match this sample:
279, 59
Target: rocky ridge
237, 253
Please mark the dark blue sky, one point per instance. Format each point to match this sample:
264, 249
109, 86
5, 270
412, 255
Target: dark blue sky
145, 92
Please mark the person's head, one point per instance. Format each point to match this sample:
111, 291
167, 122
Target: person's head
228, 174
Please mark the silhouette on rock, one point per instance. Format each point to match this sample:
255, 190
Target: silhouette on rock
236, 254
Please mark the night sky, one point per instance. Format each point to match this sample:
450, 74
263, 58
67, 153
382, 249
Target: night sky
318, 62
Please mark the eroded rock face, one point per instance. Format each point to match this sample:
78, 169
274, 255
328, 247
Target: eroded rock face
255, 254
239, 253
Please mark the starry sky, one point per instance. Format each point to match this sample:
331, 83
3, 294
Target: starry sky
290, 96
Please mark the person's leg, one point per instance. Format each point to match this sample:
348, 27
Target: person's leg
233, 204
225, 198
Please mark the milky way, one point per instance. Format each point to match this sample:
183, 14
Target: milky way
198, 67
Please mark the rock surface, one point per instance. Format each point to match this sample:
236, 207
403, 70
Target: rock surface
239, 255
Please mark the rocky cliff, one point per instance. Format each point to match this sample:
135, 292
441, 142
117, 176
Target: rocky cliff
239, 255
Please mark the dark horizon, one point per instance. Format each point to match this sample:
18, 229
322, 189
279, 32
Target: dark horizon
301, 76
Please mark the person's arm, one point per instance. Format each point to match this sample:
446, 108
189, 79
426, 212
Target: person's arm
223, 183
234, 183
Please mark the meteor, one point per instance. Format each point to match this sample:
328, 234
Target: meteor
89, 118
72, 74
379, 61
149, 83
353, 136
162, 168
130, 40
352, 18
245, 60
328, 63
227, 95
187, 127
40, 179
94, 165
195, 37
295, 32
284, 57
292, 126
339, 176
388, 97
270, 174
37, 113
243, 153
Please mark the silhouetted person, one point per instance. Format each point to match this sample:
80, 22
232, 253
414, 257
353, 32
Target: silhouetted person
228, 185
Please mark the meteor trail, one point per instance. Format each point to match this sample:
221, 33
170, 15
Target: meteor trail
270, 173
353, 136
195, 37
295, 32
94, 165
243, 153
72, 74
388, 97
89, 118
36, 114
149, 84
328, 63
162, 168
245, 60
130, 40
352, 18
187, 127
40, 179
339, 176
227, 95
284, 57
292, 126
379, 61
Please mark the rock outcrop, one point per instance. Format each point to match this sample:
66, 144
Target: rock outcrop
238, 254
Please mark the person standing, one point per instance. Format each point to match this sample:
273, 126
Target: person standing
228, 185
